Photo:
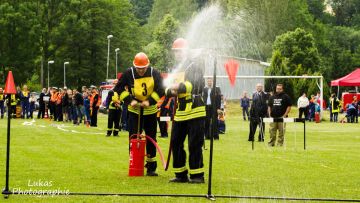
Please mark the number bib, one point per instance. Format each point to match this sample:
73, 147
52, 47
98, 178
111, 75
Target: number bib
143, 87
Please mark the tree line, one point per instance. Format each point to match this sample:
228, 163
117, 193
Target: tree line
297, 36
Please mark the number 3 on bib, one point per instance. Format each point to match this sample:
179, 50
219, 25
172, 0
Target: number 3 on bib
144, 93
143, 87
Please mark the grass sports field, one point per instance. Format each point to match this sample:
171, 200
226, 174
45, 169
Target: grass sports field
80, 159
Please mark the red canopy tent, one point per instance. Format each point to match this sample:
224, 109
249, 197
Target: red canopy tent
352, 79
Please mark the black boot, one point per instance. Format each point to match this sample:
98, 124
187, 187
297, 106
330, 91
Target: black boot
151, 168
179, 180
198, 180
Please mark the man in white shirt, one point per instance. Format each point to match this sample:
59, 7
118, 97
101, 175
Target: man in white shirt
207, 94
303, 106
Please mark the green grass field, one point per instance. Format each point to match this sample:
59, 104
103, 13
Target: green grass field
81, 159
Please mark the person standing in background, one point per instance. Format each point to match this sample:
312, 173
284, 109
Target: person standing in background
79, 102
356, 105
58, 106
32, 101
335, 106
114, 113
207, 95
303, 106
258, 111
25, 105
70, 105
2, 102
245, 104
279, 107
65, 104
223, 104
41, 101
52, 103
95, 101
87, 108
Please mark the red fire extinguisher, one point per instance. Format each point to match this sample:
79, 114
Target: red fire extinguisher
137, 155
137, 151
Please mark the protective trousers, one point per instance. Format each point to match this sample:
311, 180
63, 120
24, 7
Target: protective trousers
113, 120
194, 128
2, 108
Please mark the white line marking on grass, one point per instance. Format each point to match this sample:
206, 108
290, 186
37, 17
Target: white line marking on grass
326, 166
62, 126
284, 159
27, 123
62, 129
74, 131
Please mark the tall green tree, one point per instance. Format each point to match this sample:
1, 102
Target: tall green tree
18, 39
181, 10
347, 12
142, 9
81, 38
278, 67
344, 54
37, 31
316, 8
295, 53
163, 36
299, 48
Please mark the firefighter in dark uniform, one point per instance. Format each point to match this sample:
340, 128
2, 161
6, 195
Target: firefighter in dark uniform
2, 102
145, 89
189, 118
114, 113
13, 103
95, 102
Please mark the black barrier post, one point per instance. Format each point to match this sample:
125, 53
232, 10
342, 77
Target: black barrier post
304, 136
213, 128
6, 192
271, 198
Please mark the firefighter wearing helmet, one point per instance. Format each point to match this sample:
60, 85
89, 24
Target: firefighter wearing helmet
189, 117
140, 87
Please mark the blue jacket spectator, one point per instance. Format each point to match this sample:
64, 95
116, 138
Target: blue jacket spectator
245, 104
